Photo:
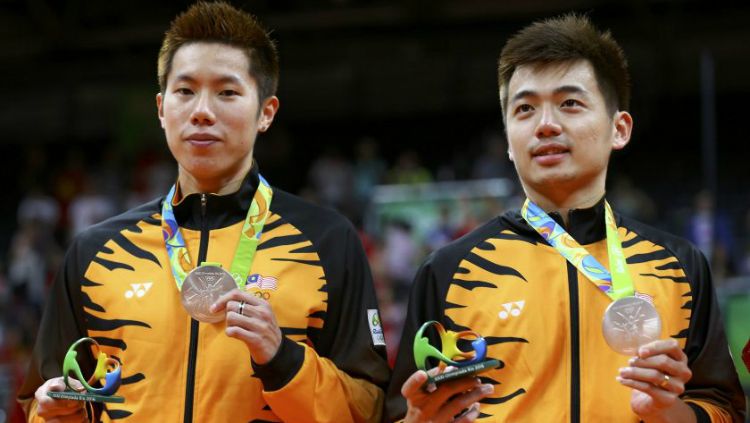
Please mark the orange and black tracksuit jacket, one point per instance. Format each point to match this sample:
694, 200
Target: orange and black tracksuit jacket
542, 319
116, 286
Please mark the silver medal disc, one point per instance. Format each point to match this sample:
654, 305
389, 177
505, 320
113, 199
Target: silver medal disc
629, 323
201, 288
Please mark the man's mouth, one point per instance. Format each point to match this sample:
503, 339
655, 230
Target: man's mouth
202, 139
550, 154
549, 150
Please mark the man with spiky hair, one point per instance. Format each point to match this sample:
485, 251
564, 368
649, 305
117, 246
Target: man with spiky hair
638, 338
228, 299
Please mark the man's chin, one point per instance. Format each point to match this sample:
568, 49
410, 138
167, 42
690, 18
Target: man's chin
552, 179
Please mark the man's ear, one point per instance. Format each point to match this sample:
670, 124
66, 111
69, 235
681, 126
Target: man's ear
505, 132
623, 128
268, 111
159, 108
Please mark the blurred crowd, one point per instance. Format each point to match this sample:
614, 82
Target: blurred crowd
59, 197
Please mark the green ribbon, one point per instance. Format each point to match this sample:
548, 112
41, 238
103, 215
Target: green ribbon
615, 282
179, 259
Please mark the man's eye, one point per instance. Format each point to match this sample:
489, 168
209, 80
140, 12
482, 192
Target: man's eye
571, 103
524, 108
228, 93
183, 91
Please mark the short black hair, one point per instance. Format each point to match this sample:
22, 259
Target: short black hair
568, 38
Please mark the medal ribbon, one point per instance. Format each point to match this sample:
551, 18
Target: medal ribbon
179, 259
616, 284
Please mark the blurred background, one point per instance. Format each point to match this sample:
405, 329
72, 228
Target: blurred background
389, 113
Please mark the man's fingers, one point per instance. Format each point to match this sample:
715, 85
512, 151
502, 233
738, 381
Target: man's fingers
470, 415
413, 384
51, 407
78, 417
669, 347
664, 364
431, 401
446, 401
251, 323
660, 396
449, 389
74, 383
413, 387
653, 377
238, 332
463, 401
57, 384
235, 295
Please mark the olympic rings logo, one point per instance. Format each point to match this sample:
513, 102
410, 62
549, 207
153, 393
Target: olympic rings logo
262, 294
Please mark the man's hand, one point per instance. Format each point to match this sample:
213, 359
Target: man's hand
256, 326
55, 410
658, 376
444, 402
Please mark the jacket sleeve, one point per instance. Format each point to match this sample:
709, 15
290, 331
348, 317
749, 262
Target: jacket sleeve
714, 392
426, 302
341, 377
62, 324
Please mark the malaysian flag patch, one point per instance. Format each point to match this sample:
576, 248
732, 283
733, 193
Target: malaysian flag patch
259, 281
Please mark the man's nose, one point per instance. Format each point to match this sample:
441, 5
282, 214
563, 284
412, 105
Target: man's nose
203, 111
549, 125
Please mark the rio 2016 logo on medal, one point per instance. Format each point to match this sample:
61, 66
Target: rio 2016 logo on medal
108, 373
466, 362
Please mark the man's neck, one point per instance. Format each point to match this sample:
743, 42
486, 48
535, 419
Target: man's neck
565, 202
190, 185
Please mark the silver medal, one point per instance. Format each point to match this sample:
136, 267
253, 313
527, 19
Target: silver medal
201, 288
629, 323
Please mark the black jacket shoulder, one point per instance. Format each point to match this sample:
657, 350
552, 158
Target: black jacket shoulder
314, 221
90, 241
691, 259
445, 260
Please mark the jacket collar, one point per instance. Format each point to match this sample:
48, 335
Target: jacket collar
220, 210
585, 225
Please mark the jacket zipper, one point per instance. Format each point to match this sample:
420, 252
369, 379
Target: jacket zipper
194, 327
575, 356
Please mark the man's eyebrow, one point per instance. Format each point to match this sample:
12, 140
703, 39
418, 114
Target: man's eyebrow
184, 77
224, 79
522, 94
569, 89
229, 79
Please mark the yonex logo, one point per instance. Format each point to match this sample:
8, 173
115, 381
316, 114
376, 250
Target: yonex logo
138, 289
511, 309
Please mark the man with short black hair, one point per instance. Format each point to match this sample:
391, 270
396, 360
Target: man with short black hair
226, 300
578, 340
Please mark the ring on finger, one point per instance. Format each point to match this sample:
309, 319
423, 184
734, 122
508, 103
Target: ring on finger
665, 381
241, 307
